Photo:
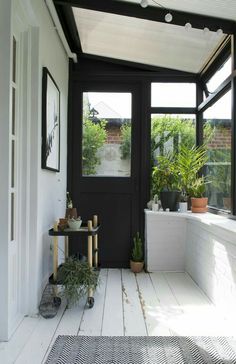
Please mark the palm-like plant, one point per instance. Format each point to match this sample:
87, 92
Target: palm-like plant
190, 161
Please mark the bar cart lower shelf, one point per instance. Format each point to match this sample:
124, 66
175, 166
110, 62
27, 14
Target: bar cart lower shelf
90, 230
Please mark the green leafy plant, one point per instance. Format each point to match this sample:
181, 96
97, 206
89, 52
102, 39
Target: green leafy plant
94, 137
77, 277
125, 146
137, 252
198, 187
165, 176
189, 162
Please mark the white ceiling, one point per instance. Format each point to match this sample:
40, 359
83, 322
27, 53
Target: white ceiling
219, 8
144, 41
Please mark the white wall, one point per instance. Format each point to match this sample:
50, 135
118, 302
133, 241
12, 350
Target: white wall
43, 193
51, 186
204, 245
5, 76
211, 262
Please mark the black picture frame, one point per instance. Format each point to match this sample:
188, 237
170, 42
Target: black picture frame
50, 123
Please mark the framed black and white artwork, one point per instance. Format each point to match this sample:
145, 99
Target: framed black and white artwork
50, 123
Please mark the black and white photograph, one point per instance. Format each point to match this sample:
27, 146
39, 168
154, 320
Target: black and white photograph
50, 123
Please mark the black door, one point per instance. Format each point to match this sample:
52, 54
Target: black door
104, 164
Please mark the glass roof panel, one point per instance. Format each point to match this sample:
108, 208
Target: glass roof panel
144, 41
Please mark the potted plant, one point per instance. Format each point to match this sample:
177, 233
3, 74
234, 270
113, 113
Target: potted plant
77, 277
136, 262
71, 212
183, 203
197, 190
166, 181
189, 163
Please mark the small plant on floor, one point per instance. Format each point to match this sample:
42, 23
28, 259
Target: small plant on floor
77, 277
136, 263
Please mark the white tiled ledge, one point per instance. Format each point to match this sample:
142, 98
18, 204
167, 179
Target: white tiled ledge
208, 219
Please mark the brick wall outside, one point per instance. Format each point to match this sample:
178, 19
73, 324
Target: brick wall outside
113, 134
221, 139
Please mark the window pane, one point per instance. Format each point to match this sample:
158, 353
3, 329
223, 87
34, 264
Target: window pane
221, 74
14, 60
13, 110
12, 216
12, 164
217, 136
106, 144
173, 95
169, 132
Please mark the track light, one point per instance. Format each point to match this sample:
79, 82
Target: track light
219, 32
168, 17
188, 26
144, 3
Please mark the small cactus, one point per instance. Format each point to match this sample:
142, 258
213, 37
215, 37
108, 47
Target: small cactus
137, 252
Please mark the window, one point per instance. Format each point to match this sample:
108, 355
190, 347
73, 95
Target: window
220, 75
217, 136
173, 95
169, 132
106, 143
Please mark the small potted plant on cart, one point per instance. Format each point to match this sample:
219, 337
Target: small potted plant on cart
136, 262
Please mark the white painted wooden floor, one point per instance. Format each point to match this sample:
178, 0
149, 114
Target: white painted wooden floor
125, 304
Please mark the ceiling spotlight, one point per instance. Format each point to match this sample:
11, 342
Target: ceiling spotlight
219, 32
144, 3
188, 26
206, 30
168, 17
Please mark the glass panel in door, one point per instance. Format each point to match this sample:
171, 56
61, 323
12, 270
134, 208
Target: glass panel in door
106, 140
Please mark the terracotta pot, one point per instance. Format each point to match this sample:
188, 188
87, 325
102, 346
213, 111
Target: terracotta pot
71, 213
227, 203
199, 204
136, 267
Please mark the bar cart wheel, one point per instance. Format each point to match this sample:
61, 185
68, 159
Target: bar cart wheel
90, 302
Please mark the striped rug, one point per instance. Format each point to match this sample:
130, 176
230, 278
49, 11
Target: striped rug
142, 350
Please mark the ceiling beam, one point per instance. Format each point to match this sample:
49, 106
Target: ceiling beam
67, 19
153, 13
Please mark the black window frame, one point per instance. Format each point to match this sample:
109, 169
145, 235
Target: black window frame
211, 98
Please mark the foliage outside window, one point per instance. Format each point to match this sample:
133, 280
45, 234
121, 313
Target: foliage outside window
106, 142
168, 134
125, 146
94, 137
218, 168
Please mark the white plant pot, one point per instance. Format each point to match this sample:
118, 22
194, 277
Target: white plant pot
155, 207
183, 206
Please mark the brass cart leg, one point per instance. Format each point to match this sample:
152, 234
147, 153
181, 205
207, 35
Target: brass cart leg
95, 241
90, 262
55, 259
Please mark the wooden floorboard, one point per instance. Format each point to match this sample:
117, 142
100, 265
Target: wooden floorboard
199, 316
125, 304
9, 351
152, 309
91, 324
37, 345
113, 308
134, 321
